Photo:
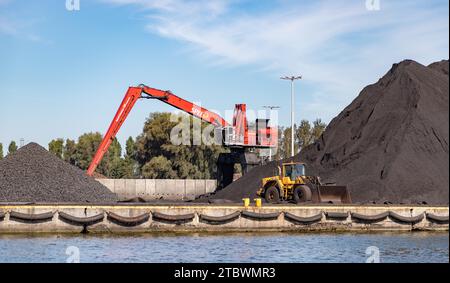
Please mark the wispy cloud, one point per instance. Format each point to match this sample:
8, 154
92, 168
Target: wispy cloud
337, 45
15, 26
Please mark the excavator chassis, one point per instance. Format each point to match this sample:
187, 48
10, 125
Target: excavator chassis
227, 161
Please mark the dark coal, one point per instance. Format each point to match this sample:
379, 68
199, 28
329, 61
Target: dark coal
244, 187
33, 174
389, 145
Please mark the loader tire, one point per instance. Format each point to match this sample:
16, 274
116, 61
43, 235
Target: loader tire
272, 195
302, 194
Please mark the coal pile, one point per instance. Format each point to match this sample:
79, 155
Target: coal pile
389, 145
244, 187
33, 174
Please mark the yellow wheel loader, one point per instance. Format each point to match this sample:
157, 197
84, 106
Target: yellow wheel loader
292, 184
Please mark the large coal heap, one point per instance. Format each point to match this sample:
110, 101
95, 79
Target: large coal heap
32, 174
390, 144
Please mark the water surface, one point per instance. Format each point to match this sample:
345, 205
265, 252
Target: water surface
274, 247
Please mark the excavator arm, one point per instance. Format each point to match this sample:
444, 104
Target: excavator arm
184, 105
142, 91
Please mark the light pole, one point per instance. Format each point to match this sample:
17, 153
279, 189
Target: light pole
292, 79
271, 108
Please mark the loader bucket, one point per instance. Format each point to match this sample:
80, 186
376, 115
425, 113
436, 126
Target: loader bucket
334, 194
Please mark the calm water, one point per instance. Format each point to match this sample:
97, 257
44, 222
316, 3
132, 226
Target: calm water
277, 247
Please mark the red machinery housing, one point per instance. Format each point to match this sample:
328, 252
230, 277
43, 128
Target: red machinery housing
241, 140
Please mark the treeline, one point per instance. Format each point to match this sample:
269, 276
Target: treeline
152, 155
304, 135
11, 149
81, 152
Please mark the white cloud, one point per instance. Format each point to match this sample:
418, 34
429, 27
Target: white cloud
18, 26
7, 27
338, 46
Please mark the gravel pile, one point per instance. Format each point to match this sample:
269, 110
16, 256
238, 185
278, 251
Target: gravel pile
33, 174
389, 145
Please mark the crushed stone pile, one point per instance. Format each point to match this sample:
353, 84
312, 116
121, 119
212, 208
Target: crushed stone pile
389, 145
32, 174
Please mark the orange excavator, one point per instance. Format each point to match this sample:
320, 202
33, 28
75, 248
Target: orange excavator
238, 137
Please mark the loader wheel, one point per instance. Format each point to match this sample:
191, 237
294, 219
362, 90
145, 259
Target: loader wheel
272, 195
302, 194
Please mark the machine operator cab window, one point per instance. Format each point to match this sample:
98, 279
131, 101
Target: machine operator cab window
294, 170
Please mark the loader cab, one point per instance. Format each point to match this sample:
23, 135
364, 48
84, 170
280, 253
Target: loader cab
293, 170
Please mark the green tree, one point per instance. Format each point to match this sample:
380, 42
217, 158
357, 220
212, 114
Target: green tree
304, 134
56, 147
115, 149
12, 147
185, 161
156, 133
82, 152
318, 129
130, 148
116, 169
158, 168
129, 165
87, 147
113, 167
1, 151
69, 152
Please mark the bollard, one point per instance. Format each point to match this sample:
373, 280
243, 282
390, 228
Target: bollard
246, 202
258, 202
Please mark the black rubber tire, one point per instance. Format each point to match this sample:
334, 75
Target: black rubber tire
302, 194
272, 195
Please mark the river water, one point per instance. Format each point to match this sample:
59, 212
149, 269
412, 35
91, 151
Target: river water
273, 247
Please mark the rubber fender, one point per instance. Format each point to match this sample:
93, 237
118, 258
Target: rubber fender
128, 221
2, 215
220, 219
336, 215
174, 218
32, 218
441, 219
81, 221
133, 200
406, 219
220, 201
370, 218
260, 216
304, 220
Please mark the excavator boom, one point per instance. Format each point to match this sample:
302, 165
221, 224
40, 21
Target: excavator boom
184, 105
263, 137
142, 91
132, 95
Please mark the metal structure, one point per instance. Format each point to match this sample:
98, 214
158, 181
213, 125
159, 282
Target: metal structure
292, 79
236, 136
271, 107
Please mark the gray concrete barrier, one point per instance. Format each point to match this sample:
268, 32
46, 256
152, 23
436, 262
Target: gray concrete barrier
151, 189
220, 218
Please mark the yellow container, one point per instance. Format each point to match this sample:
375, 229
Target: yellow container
258, 202
246, 201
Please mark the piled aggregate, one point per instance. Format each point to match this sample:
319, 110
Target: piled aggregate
389, 145
32, 174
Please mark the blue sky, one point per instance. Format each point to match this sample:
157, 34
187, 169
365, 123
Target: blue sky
64, 73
